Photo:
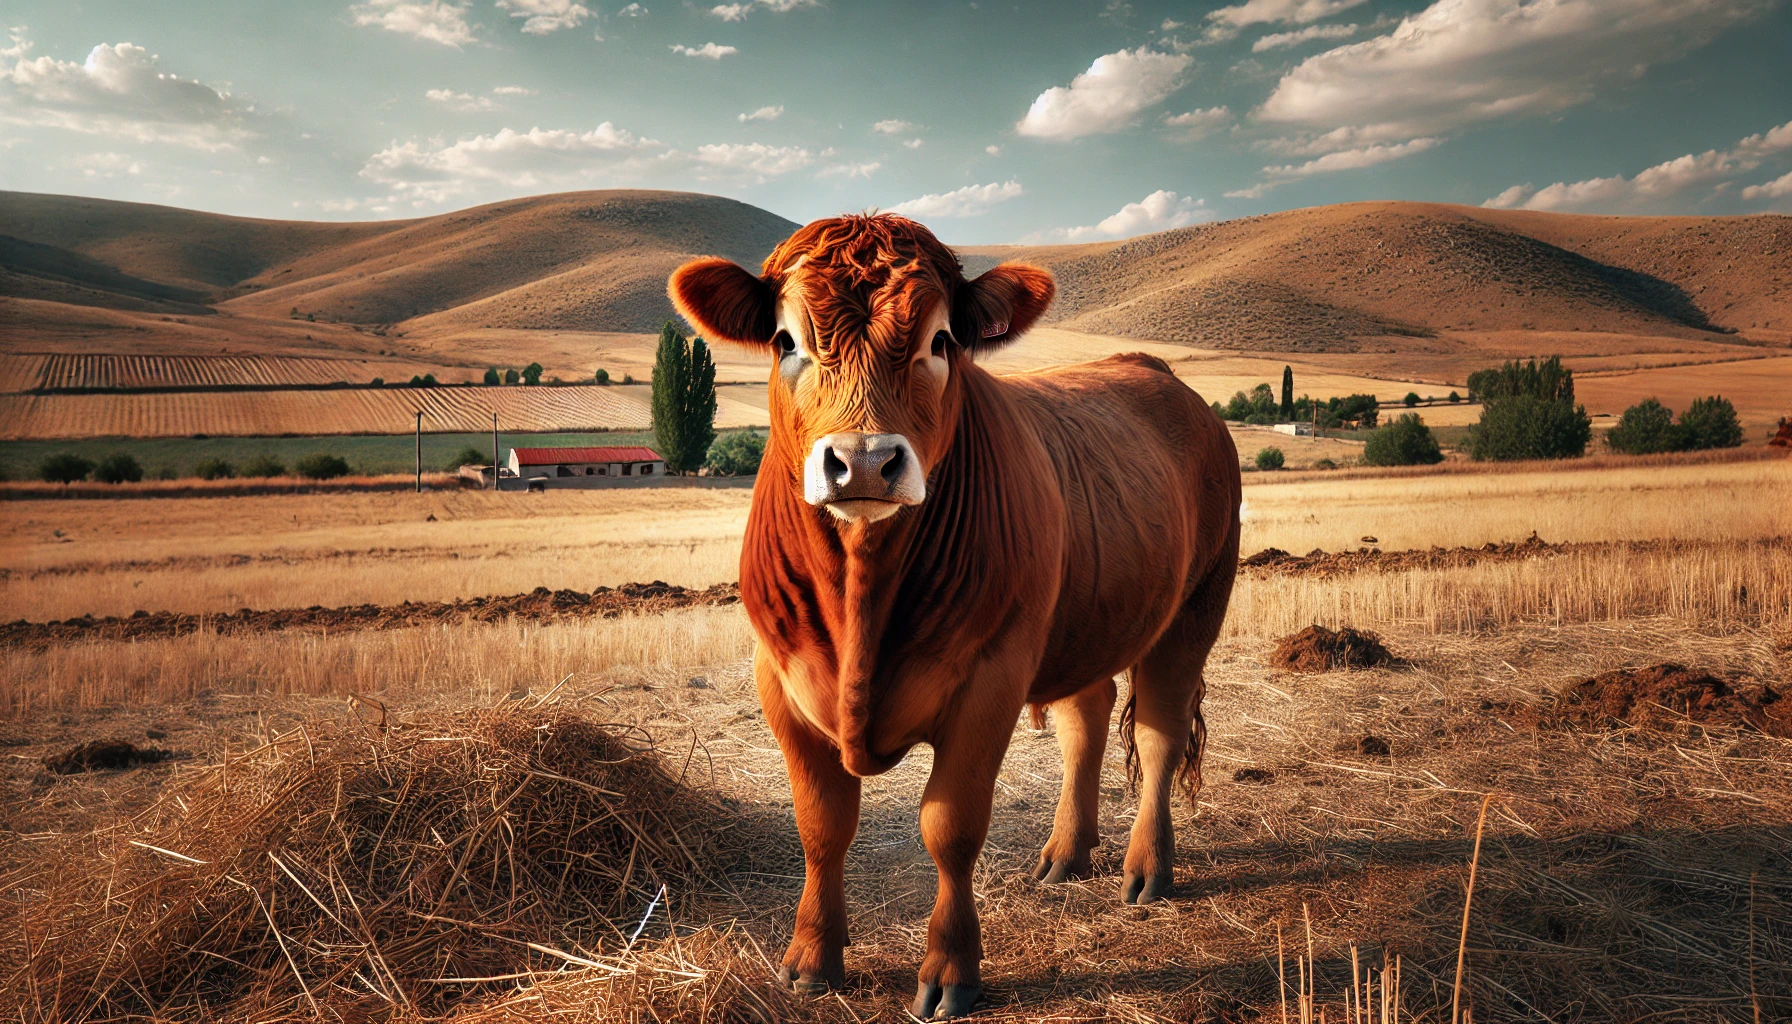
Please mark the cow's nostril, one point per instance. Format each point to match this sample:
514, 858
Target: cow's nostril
893, 468
833, 467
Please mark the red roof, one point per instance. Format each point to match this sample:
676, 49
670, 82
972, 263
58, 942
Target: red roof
568, 456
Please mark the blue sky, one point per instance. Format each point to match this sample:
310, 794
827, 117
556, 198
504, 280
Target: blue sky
991, 121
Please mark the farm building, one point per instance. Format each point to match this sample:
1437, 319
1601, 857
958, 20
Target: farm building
582, 467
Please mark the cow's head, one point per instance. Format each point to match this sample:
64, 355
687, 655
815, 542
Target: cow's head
868, 320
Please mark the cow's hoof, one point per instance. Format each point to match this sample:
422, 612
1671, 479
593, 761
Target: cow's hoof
809, 984
1145, 888
934, 1001
1053, 872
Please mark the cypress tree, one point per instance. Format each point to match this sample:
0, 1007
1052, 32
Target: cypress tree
1287, 393
684, 400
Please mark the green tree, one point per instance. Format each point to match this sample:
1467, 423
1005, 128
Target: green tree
1454, 398
322, 466
1406, 441
532, 374
1710, 423
1645, 428
684, 400
492, 376
1412, 399
214, 469
1287, 410
736, 454
1528, 412
511, 376
118, 468
1270, 458
468, 456
602, 376
378, 382
64, 468
264, 466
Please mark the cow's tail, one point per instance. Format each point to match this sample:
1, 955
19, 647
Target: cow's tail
1189, 775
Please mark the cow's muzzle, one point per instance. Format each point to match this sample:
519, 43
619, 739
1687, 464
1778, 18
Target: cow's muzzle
863, 476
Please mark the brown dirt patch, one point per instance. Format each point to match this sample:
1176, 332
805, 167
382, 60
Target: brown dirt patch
104, 755
539, 604
1318, 649
1665, 695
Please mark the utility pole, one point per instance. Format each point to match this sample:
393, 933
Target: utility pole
494, 451
419, 451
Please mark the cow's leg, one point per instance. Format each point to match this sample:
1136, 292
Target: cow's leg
827, 816
955, 811
1168, 731
1082, 723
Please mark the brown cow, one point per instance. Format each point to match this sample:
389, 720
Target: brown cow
932, 547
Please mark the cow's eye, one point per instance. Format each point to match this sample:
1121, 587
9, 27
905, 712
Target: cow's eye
785, 343
940, 340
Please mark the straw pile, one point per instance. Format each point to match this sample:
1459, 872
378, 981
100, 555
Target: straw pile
374, 870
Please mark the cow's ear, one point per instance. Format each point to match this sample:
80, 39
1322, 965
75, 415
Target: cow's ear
724, 302
1001, 305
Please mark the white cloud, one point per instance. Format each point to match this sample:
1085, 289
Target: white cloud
895, 126
1654, 183
536, 159
1106, 97
753, 159
708, 51
1347, 137
731, 12
631, 11
1197, 123
1780, 186
914, 143
430, 20
546, 16
512, 90
1461, 61
120, 90
993, 150
969, 201
864, 170
762, 114
739, 11
1330, 163
1160, 211
107, 165
1269, 12
460, 102
1299, 36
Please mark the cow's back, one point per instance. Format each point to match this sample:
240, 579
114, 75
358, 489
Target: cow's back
1151, 488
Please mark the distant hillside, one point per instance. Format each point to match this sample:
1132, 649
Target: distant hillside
1329, 278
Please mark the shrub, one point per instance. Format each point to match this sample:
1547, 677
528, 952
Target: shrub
628, 378
1455, 398
1645, 428
532, 374
322, 466
378, 382
214, 469
468, 456
736, 454
1528, 413
511, 376
64, 468
1411, 399
492, 376
119, 468
1406, 441
416, 381
1710, 423
602, 376
1270, 458
264, 466
1325, 464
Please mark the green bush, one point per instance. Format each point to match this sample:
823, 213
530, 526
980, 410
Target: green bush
468, 456
1406, 441
264, 466
1325, 464
1260, 403
378, 382
214, 469
532, 374
492, 376
64, 468
1455, 398
1710, 423
1270, 458
322, 466
1528, 412
1645, 428
1412, 399
119, 468
602, 376
736, 454
511, 376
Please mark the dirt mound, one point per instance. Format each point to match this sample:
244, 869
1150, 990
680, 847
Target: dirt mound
1318, 649
539, 604
1661, 696
348, 871
1276, 562
104, 755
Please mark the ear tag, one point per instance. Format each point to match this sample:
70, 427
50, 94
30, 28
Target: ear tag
996, 330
